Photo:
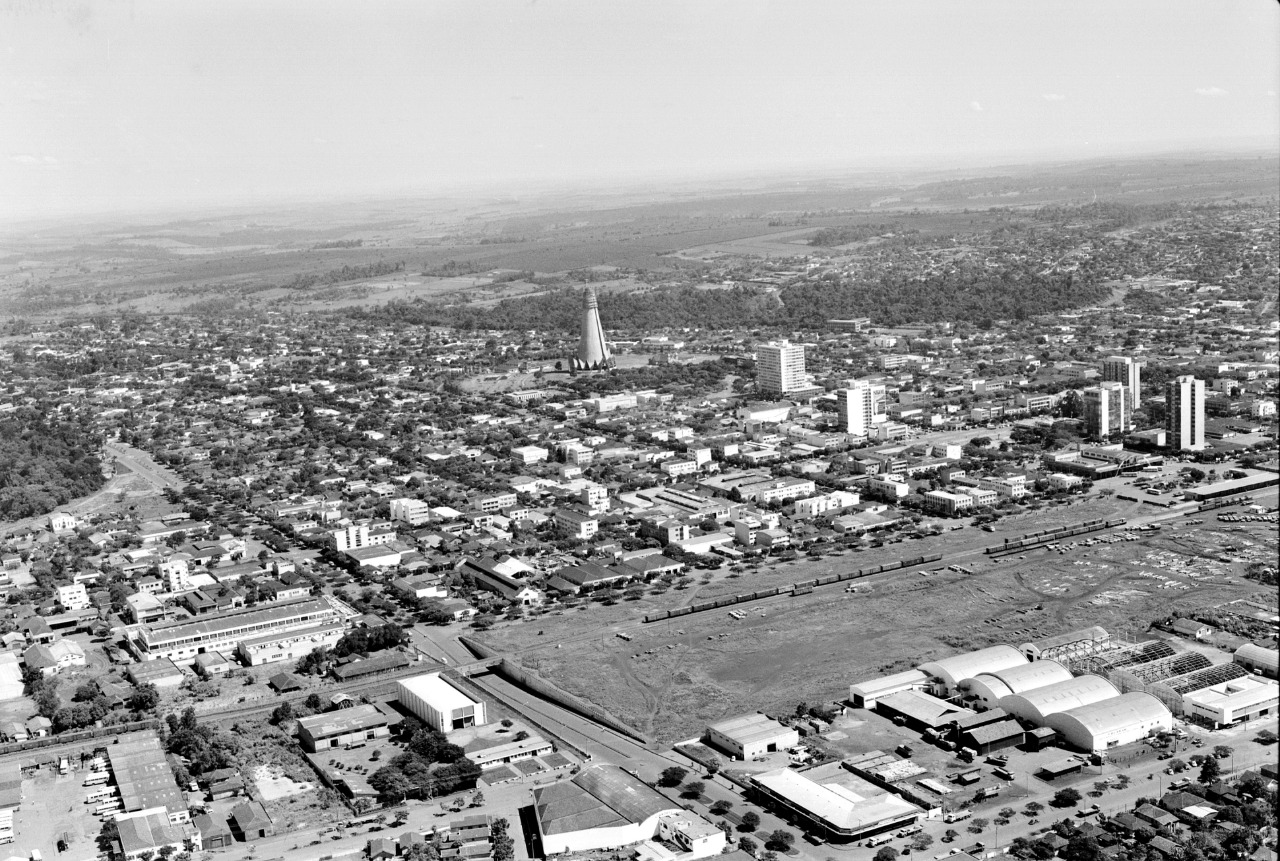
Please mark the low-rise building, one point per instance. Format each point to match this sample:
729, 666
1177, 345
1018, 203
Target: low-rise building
439, 703
1232, 702
345, 727
748, 736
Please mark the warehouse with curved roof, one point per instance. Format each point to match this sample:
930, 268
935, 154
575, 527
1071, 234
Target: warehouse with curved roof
990, 688
1035, 706
1112, 722
1256, 658
950, 672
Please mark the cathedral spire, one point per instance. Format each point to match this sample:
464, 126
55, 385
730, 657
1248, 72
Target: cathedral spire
593, 352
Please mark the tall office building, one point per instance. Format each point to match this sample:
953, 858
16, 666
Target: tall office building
1184, 413
593, 352
781, 368
1127, 372
857, 406
1106, 410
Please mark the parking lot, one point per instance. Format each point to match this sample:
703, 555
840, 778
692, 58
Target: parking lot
52, 805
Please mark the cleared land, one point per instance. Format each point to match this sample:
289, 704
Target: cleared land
810, 648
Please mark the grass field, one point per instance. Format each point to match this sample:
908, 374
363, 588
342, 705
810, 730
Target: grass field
812, 647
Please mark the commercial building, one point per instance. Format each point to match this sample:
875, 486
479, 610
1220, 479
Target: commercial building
345, 727
1106, 410
749, 736
834, 812
604, 807
1037, 705
1127, 372
989, 688
439, 703
780, 368
289, 645
1112, 722
1232, 702
1184, 413
1258, 659
948, 504
182, 641
919, 710
948, 673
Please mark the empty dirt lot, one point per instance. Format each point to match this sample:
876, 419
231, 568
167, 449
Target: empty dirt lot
676, 675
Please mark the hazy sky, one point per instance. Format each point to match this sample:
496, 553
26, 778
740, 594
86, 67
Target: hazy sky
115, 105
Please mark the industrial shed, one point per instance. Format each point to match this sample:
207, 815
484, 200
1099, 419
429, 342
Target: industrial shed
950, 672
1258, 659
749, 736
1035, 706
1072, 644
1112, 722
989, 688
864, 695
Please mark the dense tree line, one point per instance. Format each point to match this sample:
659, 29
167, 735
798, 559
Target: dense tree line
204, 747
45, 462
829, 237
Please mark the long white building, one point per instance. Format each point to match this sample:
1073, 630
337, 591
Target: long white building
439, 703
182, 641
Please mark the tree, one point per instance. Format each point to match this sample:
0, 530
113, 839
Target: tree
144, 698
780, 840
921, 842
950, 835
977, 826
1222, 751
281, 713
673, 776
886, 853
1066, 797
1033, 808
1265, 737
1210, 771
693, 789
1177, 765
721, 807
750, 821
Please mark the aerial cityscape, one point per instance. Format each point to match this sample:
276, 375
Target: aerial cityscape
846, 465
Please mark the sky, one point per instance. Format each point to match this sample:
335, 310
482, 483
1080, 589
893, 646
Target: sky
128, 105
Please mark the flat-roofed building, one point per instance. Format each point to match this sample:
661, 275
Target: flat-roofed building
344, 727
832, 811
1232, 702
182, 641
949, 504
864, 695
749, 736
440, 703
289, 645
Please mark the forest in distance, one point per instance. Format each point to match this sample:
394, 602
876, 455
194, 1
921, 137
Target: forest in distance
1015, 265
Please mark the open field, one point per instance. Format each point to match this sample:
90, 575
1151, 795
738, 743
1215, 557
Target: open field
246, 260
810, 648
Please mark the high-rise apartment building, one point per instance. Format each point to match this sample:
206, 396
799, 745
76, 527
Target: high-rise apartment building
1127, 372
861, 406
1106, 409
781, 368
1184, 413
856, 407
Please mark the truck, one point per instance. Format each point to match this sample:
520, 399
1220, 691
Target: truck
957, 815
878, 840
63, 766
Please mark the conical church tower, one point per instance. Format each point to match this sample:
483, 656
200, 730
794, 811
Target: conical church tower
593, 352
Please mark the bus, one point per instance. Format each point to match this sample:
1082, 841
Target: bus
1002, 773
108, 807
96, 778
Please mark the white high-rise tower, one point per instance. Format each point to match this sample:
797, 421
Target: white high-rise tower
1184, 413
781, 368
